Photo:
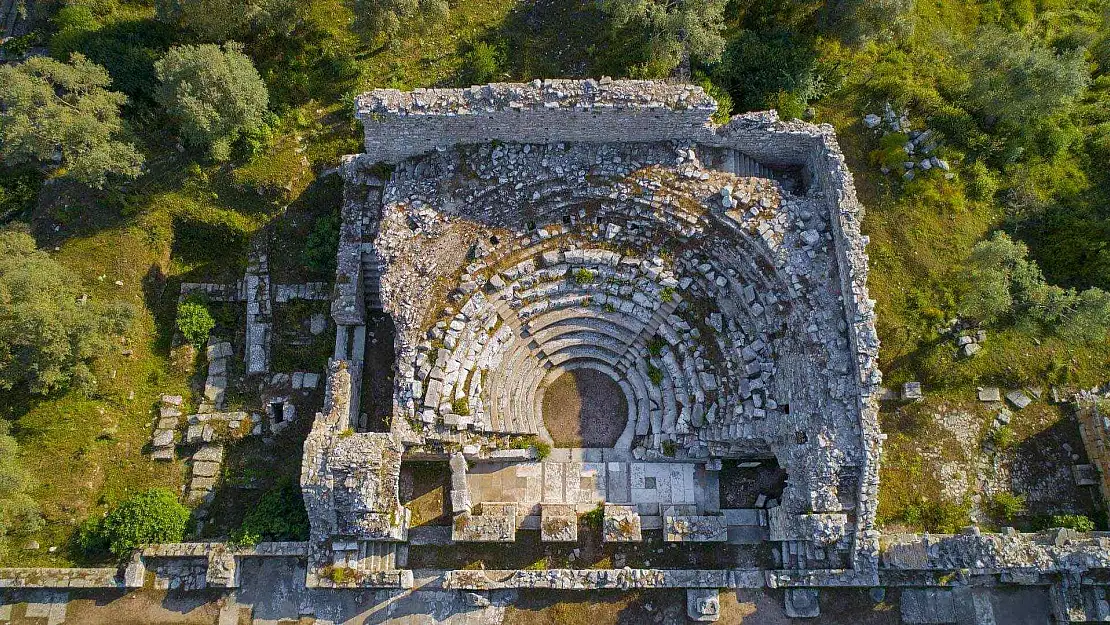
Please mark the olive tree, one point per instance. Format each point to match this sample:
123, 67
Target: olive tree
62, 116
673, 28
49, 332
214, 93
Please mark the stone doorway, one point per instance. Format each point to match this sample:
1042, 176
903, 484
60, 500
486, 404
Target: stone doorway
584, 408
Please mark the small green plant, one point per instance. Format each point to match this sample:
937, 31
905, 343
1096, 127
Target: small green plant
609, 308
655, 347
347, 433
194, 321
584, 276
670, 448
339, 574
666, 294
1003, 438
280, 515
1077, 522
461, 406
594, 517
543, 450
655, 375
1007, 505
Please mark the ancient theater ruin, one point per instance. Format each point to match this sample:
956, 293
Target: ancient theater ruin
600, 304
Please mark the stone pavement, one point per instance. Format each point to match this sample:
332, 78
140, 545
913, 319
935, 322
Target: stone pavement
649, 485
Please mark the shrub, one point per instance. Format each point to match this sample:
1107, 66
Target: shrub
461, 406
655, 375
670, 448
279, 516
594, 517
655, 346
153, 516
194, 321
482, 63
1007, 505
666, 294
1077, 522
1003, 438
584, 276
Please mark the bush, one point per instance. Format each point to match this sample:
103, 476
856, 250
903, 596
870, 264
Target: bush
279, 516
153, 516
1077, 522
321, 245
1007, 506
655, 375
482, 63
195, 322
584, 276
461, 406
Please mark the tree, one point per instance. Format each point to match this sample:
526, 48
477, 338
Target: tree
673, 28
757, 67
18, 511
149, 517
218, 21
382, 18
859, 21
1003, 282
214, 93
1015, 79
49, 331
61, 116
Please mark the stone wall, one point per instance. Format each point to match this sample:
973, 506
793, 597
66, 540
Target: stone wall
1094, 426
399, 125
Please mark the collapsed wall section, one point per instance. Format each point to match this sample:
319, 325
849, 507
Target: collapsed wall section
402, 124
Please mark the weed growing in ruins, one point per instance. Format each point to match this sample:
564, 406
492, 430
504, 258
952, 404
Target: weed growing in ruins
655, 347
280, 515
655, 374
1077, 522
670, 448
461, 406
584, 276
594, 517
1007, 506
667, 295
609, 308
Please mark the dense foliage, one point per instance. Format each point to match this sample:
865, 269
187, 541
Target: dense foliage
280, 515
194, 321
152, 516
19, 513
62, 116
221, 20
382, 19
49, 332
671, 30
215, 94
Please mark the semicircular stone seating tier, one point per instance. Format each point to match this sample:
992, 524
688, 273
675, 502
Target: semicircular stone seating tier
691, 340
485, 367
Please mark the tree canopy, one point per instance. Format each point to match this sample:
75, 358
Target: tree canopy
383, 18
673, 28
1013, 78
218, 21
214, 93
61, 115
49, 333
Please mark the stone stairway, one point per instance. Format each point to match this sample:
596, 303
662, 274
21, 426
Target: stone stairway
376, 555
741, 164
371, 278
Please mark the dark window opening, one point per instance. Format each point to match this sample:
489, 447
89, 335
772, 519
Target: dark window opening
566, 219
277, 411
493, 240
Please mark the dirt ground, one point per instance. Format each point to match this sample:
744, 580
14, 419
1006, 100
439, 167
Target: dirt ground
584, 408
424, 487
740, 488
